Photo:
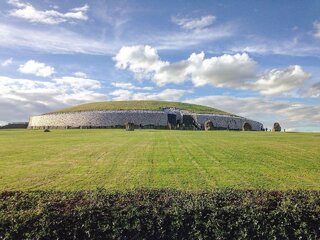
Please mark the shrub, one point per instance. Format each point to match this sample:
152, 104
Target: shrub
160, 214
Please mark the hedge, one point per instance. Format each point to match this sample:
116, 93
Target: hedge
160, 214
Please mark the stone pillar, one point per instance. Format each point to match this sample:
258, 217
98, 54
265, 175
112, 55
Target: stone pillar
129, 126
276, 127
208, 125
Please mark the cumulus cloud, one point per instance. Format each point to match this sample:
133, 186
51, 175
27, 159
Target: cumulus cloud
278, 81
222, 71
167, 95
293, 115
232, 71
316, 26
141, 60
36, 68
7, 62
27, 11
226, 70
21, 98
194, 23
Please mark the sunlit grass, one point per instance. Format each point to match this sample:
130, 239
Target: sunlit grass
188, 160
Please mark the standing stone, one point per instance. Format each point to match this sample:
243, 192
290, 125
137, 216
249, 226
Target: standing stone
129, 126
208, 125
171, 126
276, 127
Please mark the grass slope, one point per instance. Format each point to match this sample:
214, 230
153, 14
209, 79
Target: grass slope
141, 105
187, 160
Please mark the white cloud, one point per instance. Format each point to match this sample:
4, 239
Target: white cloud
312, 91
167, 95
60, 40
232, 71
226, 70
21, 98
7, 62
123, 85
78, 97
36, 68
316, 26
51, 41
77, 83
265, 46
299, 116
141, 60
18, 3
84, 8
80, 74
194, 23
279, 81
30, 13
129, 86
193, 32
117, 16
121, 94
223, 71
2, 123
189, 38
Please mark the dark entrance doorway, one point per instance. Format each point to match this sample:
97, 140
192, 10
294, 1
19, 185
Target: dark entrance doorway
187, 120
246, 127
172, 119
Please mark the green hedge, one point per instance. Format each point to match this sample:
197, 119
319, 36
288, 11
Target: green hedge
160, 214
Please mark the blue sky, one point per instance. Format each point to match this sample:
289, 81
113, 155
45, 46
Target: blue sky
258, 59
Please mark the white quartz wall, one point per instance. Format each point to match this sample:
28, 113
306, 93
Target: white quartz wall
228, 122
99, 119
120, 118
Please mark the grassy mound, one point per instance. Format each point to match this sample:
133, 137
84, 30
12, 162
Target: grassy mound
141, 105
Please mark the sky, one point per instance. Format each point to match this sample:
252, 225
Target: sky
256, 59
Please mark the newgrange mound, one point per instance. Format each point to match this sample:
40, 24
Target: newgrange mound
143, 114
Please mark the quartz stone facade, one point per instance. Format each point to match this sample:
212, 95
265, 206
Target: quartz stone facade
227, 122
96, 119
140, 118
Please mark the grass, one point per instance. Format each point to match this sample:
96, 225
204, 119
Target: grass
141, 105
183, 160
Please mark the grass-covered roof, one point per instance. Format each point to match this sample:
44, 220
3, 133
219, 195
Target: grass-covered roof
141, 105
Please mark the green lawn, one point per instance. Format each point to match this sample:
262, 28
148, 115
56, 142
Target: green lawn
141, 105
188, 160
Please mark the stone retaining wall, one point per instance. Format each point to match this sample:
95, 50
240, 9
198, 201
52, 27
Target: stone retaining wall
227, 122
99, 119
151, 119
